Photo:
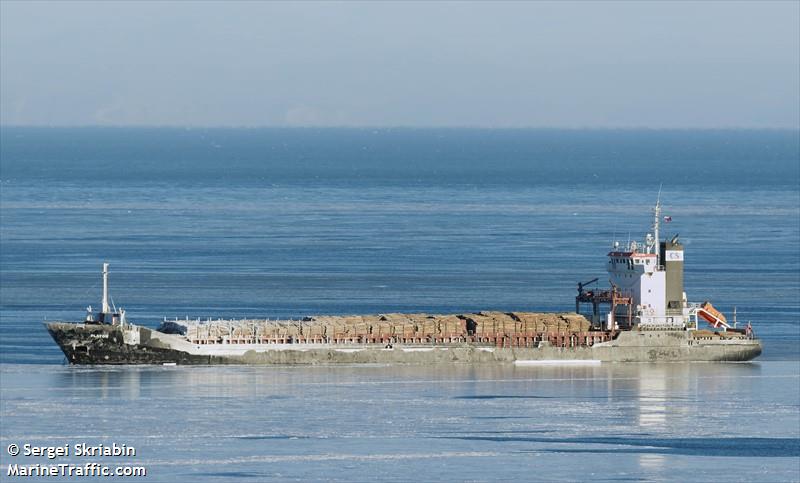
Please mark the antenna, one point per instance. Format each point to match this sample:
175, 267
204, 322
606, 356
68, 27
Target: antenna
657, 215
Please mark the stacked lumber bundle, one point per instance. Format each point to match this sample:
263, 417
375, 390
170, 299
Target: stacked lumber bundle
377, 327
550, 322
206, 332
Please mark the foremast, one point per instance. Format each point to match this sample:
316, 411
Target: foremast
108, 313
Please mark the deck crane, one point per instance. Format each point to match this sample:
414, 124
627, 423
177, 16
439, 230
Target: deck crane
583, 284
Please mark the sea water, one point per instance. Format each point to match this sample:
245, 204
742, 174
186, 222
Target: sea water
290, 223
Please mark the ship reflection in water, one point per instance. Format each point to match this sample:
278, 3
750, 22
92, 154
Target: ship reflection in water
653, 400
680, 422
655, 388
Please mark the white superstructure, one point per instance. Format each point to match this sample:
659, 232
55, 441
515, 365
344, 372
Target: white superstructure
638, 275
648, 276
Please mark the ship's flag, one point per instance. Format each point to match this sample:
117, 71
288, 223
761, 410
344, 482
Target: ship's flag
667, 219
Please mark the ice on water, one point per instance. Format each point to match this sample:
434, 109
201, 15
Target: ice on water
613, 422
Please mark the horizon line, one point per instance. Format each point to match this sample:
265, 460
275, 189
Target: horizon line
402, 127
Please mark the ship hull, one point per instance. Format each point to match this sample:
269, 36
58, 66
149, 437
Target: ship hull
107, 344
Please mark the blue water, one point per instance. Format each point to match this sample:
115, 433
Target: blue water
288, 223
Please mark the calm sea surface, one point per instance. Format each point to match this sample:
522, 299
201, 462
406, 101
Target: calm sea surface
288, 223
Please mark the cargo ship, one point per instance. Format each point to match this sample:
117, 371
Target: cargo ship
643, 316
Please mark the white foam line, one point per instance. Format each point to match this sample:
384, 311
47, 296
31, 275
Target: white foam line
320, 457
557, 362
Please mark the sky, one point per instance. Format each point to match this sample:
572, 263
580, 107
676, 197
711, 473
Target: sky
682, 64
